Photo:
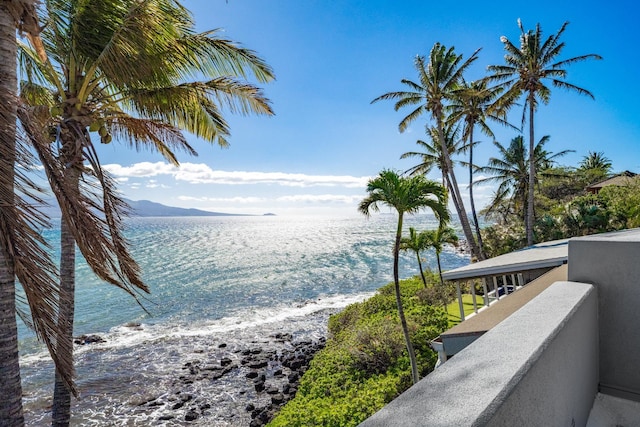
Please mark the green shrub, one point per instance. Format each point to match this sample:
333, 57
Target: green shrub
365, 364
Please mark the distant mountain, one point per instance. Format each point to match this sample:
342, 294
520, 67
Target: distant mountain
145, 208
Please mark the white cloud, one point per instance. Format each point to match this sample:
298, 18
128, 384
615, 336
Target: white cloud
241, 200
320, 198
199, 173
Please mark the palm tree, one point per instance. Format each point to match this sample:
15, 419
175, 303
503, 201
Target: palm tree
510, 170
438, 77
416, 242
121, 69
407, 195
526, 70
596, 160
432, 152
437, 239
472, 104
22, 250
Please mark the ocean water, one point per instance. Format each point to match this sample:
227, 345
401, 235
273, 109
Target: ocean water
218, 285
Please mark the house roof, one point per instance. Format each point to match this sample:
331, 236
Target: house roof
620, 179
542, 255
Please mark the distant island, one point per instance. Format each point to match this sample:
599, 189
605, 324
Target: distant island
146, 208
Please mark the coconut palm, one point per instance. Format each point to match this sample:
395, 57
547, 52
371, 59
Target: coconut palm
474, 104
432, 153
22, 249
407, 195
416, 242
439, 76
596, 160
511, 171
436, 239
123, 69
527, 69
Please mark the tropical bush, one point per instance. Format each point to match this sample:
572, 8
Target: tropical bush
365, 363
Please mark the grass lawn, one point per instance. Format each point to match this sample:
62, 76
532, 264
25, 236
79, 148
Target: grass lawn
453, 310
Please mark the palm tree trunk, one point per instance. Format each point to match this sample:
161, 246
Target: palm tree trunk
532, 176
61, 411
424, 280
403, 320
439, 268
11, 413
444, 299
455, 194
473, 204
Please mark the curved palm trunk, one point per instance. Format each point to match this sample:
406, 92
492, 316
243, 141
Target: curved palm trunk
444, 299
11, 413
61, 411
473, 204
457, 198
532, 176
424, 280
439, 268
403, 320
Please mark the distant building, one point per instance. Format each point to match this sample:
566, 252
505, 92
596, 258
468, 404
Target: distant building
622, 179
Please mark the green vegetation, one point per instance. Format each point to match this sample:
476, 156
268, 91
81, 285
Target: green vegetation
564, 209
453, 309
365, 363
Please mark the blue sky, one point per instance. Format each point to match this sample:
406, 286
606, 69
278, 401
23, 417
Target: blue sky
332, 58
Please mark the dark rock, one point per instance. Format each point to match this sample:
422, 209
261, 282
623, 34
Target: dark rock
282, 337
229, 369
250, 407
223, 345
205, 406
177, 405
258, 364
88, 339
142, 399
166, 417
252, 374
272, 389
293, 377
266, 415
191, 416
259, 386
277, 399
225, 361
256, 350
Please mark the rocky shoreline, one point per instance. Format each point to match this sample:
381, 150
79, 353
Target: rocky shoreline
233, 384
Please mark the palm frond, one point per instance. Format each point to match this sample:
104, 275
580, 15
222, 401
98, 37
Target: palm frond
21, 226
